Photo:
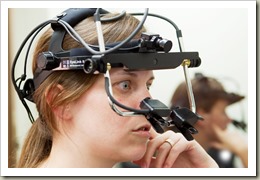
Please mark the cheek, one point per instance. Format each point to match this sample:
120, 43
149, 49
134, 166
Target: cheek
133, 101
218, 120
210, 119
97, 112
100, 122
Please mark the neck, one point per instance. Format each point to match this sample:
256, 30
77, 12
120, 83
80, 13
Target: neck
68, 154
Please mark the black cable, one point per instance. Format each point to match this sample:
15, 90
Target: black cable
137, 111
28, 110
23, 77
19, 52
138, 28
158, 16
29, 46
178, 31
123, 13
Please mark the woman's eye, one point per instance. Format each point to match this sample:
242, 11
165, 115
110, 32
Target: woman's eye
124, 85
148, 86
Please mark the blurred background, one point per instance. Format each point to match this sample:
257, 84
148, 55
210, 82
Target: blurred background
220, 35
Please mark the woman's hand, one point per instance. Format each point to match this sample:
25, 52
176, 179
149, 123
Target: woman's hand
177, 152
232, 140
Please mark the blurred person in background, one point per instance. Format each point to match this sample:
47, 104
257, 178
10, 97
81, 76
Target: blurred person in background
223, 143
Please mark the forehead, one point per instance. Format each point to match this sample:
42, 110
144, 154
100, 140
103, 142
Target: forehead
122, 72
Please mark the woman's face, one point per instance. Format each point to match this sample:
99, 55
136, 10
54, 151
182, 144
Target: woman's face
218, 114
216, 117
102, 132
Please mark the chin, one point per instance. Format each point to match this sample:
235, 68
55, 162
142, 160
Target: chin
136, 154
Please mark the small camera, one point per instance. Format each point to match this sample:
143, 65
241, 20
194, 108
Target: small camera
153, 42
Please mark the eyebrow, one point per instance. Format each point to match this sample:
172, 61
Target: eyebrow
152, 78
131, 73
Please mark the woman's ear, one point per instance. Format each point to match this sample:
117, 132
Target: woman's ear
60, 111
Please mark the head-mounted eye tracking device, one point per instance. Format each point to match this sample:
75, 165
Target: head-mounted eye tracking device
149, 52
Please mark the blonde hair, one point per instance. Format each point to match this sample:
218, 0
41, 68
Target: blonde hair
38, 143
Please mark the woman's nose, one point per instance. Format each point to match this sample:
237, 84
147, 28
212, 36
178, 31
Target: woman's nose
229, 120
141, 96
146, 94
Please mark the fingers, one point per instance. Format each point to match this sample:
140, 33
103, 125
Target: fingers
175, 152
230, 139
171, 149
153, 133
162, 153
152, 147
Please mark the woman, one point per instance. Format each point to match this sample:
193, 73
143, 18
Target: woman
77, 127
215, 136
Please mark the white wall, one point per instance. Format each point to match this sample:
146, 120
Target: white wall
220, 35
